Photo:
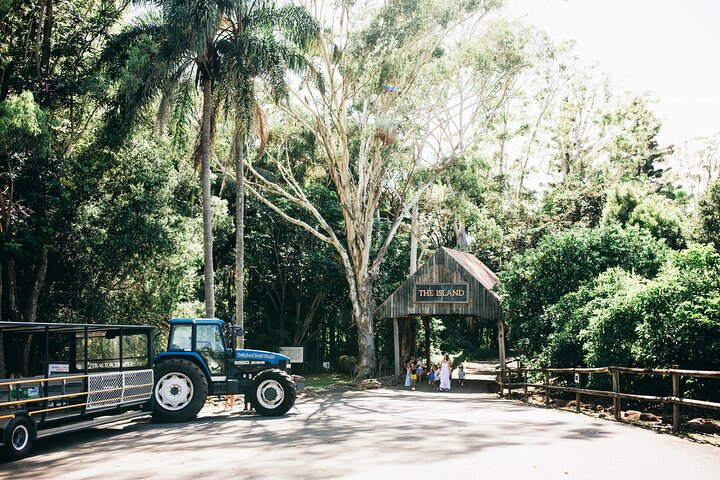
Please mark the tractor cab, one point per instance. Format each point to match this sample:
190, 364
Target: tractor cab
200, 361
205, 338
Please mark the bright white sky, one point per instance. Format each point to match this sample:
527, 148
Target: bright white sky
668, 49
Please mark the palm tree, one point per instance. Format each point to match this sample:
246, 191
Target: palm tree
174, 44
260, 42
223, 45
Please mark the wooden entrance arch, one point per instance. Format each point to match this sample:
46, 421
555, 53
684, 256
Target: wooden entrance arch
450, 283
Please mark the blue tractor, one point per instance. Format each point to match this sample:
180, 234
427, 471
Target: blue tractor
201, 360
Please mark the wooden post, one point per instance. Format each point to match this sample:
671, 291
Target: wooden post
525, 391
501, 353
547, 389
396, 346
426, 327
616, 389
676, 408
577, 394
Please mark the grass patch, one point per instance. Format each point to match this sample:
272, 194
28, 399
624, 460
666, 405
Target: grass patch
323, 380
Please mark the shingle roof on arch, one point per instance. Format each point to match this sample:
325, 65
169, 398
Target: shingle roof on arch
447, 266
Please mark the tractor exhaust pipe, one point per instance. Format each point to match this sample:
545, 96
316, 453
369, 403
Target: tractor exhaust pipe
233, 333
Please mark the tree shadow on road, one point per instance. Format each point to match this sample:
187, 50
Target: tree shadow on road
344, 429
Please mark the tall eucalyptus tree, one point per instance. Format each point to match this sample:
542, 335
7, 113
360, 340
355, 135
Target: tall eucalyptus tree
370, 60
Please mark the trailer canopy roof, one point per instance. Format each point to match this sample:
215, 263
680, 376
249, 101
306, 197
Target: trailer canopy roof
25, 327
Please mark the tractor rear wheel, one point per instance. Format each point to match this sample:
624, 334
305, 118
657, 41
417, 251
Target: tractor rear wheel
180, 390
273, 393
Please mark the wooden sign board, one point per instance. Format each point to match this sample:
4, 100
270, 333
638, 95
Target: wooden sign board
295, 353
441, 293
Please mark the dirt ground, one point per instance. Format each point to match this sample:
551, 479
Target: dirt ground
374, 434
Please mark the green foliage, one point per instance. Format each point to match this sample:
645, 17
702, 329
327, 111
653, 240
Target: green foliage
662, 218
610, 319
465, 339
591, 280
621, 318
133, 249
23, 124
652, 212
621, 203
679, 313
635, 152
709, 213
560, 264
575, 203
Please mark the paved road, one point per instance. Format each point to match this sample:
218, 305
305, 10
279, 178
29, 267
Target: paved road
375, 435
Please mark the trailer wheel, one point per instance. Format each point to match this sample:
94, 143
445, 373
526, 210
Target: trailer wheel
273, 393
19, 437
180, 390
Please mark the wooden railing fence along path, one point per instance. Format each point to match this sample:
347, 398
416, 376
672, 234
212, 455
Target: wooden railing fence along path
675, 398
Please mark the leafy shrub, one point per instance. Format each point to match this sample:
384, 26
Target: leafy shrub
709, 213
592, 327
621, 318
654, 213
561, 264
612, 316
680, 313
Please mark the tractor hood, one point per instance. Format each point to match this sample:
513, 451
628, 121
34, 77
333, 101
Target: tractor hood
259, 357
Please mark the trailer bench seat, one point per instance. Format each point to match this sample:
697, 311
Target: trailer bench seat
54, 389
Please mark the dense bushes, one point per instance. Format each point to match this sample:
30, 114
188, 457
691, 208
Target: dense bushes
662, 218
623, 316
709, 213
679, 313
562, 263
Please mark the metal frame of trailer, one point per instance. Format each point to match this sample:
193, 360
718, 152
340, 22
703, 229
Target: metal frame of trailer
78, 376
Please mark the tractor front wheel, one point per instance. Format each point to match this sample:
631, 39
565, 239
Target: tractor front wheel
273, 393
180, 390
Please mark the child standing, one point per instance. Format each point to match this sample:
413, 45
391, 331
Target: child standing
431, 376
408, 375
461, 375
413, 375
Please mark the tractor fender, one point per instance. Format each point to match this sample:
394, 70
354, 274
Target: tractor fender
190, 356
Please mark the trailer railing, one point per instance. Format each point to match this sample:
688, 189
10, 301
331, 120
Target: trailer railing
675, 398
97, 391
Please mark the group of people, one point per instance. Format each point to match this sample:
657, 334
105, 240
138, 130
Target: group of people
437, 376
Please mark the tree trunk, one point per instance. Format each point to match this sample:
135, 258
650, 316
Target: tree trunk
362, 304
38, 285
3, 374
40, 28
460, 235
408, 340
47, 35
206, 199
426, 326
239, 235
2, 298
414, 239
31, 313
332, 348
12, 291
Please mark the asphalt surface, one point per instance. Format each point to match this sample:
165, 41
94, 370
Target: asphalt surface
377, 434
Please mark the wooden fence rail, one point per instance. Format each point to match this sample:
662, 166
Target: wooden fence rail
675, 399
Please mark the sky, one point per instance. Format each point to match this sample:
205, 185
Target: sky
667, 49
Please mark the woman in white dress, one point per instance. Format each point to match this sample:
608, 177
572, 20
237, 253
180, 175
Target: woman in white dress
445, 374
